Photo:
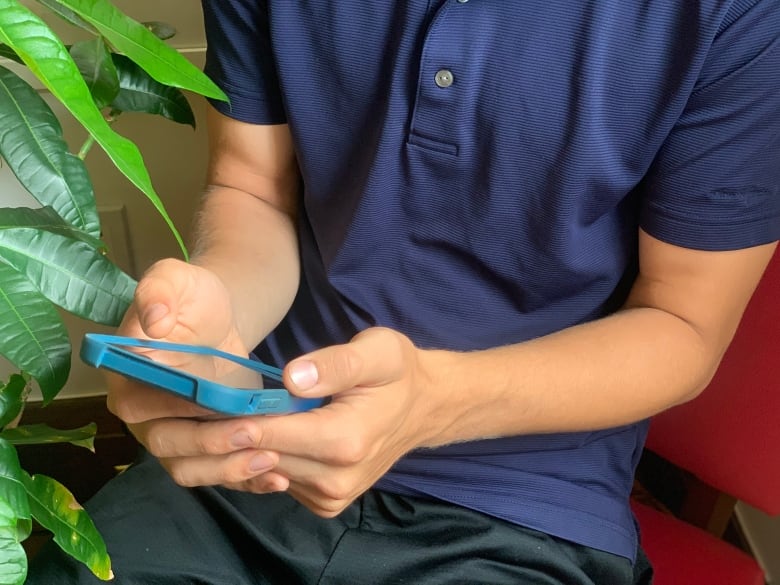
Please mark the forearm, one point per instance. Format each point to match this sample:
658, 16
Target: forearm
661, 349
252, 247
603, 374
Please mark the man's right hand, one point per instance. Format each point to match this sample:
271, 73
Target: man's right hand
180, 303
243, 281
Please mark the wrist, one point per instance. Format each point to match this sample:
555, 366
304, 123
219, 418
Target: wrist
440, 389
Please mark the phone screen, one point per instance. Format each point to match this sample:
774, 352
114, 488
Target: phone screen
209, 367
221, 382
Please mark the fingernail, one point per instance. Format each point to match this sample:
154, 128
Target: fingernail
260, 462
241, 440
304, 374
155, 313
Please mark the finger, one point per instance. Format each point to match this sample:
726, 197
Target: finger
317, 434
322, 489
157, 296
134, 403
325, 503
265, 483
231, 469
323, 507
273, 481
330, 487
374, 357
335, 434
186, 437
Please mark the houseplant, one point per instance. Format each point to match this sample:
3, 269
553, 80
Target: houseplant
52, 256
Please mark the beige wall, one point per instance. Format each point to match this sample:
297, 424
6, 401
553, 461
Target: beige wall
185, 15
175, 156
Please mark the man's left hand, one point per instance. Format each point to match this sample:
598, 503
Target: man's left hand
326, 457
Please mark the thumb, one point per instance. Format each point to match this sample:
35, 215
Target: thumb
374, 357
157, 297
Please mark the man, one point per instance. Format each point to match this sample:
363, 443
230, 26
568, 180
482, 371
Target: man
499, 236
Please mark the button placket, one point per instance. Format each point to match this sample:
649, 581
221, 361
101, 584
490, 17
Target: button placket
437, 99
444, 77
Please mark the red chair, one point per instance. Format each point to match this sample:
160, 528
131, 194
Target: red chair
729, 439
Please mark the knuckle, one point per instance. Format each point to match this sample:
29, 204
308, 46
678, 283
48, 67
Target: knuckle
326, 514
232, 474
180, 476
161, 265
274, 485
397, 345
349, 451
264, 485
156, 444
334, 492
124, 410
345, 363
147, 283
330, 508
208, 444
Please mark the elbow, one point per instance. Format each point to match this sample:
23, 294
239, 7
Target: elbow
703, 373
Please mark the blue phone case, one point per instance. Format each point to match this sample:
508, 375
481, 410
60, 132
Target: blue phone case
107, 351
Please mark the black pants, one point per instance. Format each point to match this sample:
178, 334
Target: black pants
161, 534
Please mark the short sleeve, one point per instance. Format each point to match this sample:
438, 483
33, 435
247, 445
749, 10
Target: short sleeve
715, 183
239, 59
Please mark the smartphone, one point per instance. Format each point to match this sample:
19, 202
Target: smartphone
226, 383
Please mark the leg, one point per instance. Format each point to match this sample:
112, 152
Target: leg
410, 540
158, 532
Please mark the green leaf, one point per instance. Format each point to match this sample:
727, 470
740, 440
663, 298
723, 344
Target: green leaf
32, 335
12, 490
45, 218
31, 142
55, 508
46, 56
40, 434
68, 15
70, 273
97, 68
140, 93
15, 516
7, 52
12, 397
13, 559
136, 41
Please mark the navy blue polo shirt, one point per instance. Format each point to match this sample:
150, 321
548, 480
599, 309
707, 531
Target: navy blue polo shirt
474, 175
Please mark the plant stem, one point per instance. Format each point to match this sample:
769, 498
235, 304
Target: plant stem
90, 141
85, 148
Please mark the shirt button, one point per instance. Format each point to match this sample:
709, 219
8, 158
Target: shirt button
462, 1
444, 78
